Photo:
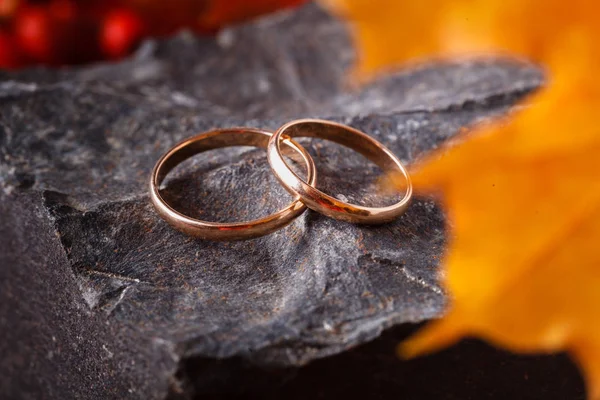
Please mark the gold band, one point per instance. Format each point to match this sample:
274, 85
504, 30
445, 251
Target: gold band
216, 230
321, 202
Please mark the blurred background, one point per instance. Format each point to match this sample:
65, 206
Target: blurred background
70, 32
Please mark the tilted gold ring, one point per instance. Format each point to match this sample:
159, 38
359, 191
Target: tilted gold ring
321, 202
216, 230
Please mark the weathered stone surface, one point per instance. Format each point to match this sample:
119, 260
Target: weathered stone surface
94, 280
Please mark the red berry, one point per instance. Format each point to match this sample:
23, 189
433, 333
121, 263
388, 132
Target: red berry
9, 53
35, 34
122, 30
57, 34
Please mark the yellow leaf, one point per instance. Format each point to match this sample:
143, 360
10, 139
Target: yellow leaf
390, 32
522, 196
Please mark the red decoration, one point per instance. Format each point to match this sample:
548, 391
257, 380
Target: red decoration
62, 32
9, 53
35, 34
122, 30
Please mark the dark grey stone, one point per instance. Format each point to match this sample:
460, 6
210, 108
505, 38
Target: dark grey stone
96, 287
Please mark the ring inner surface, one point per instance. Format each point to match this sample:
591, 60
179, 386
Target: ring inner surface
229, 186
361, 143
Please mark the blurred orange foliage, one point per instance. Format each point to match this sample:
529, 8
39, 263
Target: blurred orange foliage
522, 195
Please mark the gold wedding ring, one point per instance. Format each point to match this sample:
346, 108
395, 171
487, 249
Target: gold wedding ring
321, 202
304, 191
216, 230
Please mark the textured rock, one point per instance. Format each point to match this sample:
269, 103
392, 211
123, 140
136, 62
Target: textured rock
122, 299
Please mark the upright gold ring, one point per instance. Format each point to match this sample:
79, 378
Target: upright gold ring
216, 230
316, 199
